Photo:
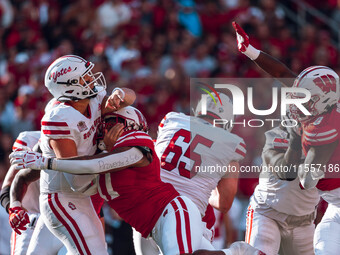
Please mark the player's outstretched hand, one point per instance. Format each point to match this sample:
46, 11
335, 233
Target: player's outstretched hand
115, 99
28, 159
18, 218
243, 43
242, 38
112, 135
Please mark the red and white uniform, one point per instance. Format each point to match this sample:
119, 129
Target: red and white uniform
185, 142
187, 147
149, 205
324, 130
65, 203
37, 239
281, 214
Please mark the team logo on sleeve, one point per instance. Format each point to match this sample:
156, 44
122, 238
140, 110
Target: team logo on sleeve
81, 126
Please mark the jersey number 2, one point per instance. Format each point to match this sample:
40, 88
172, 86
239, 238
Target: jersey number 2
189, 153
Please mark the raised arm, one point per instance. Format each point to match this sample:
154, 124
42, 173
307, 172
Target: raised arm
269, 64
119, 98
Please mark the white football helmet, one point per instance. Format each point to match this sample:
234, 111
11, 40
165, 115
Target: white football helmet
323, 84
216, 110
64, 76
131, 117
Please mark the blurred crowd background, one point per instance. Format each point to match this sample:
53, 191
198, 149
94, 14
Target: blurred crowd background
154, 47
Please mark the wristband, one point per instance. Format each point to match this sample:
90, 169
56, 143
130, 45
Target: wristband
15, 204
122, 91
4, 197
50, 163
252, 52
227, 252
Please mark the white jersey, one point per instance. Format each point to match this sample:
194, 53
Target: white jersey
65, 122
194, 155
283, 196
30, 201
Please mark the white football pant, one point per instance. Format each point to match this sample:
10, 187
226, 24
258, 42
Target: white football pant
273, 237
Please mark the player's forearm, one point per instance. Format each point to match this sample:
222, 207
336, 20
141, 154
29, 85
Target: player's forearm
9, 177
130, 97
277, 160
103, 163
18, 188
307, 178
275, 68
269, 64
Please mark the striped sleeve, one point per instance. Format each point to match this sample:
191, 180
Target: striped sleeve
240, 151
317, 137
280, 143
19, 144
56, 129
26, 140
135, 138
162, 122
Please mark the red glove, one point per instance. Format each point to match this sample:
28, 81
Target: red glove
243, 43
242, 38
18, 218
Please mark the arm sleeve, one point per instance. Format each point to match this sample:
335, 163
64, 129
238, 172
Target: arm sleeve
316, 135
240, 151
98, 165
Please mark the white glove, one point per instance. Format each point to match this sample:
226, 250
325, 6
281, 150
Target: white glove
309, 177
28, 159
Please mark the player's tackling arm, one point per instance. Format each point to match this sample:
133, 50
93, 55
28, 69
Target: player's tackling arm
119, 159
309, 172
269, 64
19, 185
222, 197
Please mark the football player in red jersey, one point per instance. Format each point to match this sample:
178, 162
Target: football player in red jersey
320, 137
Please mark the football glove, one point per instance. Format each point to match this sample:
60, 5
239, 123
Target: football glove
243, 43
18, 218
28, 159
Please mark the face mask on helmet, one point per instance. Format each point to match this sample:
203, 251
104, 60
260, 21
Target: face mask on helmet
131, 117
323, 85
70, 78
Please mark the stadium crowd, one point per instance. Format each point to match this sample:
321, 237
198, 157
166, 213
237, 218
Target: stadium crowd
152, 47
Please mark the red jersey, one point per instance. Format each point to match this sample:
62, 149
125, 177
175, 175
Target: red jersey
137, 194
325, 130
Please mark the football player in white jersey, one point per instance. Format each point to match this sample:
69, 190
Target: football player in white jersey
281, 214
24, 236
186, 144
69, 129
